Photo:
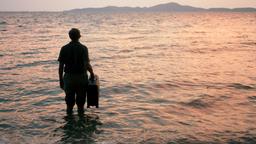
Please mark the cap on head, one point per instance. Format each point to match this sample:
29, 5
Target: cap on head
74, 34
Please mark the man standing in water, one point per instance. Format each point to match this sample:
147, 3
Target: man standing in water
74, 61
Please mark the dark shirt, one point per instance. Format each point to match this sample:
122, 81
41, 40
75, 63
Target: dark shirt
75, 58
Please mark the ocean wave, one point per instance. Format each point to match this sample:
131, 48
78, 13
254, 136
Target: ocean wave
29, 53
4, 100
47, 101
198, 103
246, 139
36, 63
144, 89
32, 64
249, 43
3, 23
241, 86
252, 99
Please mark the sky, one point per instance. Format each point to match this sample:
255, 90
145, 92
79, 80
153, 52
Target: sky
60, 5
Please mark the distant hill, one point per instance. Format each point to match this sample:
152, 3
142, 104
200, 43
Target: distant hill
174, 7
169, 7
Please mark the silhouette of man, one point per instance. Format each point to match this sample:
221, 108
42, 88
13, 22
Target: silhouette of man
74, 61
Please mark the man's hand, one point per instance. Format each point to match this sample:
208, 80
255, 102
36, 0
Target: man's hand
92, 77
89, 68
61, 84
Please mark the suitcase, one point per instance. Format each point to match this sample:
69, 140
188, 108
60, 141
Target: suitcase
93, 92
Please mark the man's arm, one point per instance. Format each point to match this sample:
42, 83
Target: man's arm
61, 67
89, 68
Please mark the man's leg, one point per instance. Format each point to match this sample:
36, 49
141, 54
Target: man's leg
70, 92
80, 98
70, 100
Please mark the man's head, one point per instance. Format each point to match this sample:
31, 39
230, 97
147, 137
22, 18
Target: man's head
74, 34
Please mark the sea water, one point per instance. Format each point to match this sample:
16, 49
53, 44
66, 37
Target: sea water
165, 78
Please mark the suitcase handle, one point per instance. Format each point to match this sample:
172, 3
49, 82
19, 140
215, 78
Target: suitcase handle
94, 81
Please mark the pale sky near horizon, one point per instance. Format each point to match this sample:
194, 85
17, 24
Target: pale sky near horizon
59, 5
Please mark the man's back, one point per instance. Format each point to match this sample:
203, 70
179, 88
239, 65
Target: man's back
75, 56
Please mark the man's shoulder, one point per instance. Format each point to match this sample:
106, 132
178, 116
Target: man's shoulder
72, 45
63, 48
82, 45
66, 46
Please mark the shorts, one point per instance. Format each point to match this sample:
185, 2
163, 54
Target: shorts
75, 86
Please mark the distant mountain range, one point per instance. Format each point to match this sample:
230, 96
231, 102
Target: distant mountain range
169, 7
